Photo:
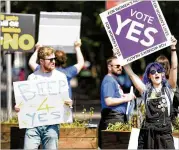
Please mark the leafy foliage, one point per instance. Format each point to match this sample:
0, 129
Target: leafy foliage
13, 120
134, 121
77, 123
118, 126
176, 125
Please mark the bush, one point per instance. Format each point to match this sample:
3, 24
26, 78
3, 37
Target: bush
118, 126
13, 120
176, 125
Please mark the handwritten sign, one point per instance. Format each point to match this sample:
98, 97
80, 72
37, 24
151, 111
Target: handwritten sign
136, 29
41, 102
17, 32
53, 29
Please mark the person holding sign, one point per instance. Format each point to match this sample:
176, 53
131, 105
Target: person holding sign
61, 59
169, 71
157, 92
48, 135
113, 100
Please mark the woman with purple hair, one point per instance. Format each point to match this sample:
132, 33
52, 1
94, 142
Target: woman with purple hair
156, 130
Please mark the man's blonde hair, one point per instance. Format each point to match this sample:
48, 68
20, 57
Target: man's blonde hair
45, 51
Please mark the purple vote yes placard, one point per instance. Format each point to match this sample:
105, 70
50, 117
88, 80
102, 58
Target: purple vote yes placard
131, 45
136, 29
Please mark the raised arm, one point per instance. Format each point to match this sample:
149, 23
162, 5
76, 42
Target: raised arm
174, 64
140, 86
33, 59
79, 56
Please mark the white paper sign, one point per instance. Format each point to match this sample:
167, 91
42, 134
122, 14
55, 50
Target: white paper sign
133, 142
59, 30
41, 102
128, 103
176, 142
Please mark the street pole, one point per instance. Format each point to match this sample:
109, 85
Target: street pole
9, 72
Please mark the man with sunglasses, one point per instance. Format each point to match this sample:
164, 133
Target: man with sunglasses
113, 100
48, 135
60, 62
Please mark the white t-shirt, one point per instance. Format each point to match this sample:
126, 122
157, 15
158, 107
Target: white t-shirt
54, 75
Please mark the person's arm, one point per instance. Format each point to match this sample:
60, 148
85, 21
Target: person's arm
116, 101
79, 56
140, 86
33, 59
108, 91
174, 64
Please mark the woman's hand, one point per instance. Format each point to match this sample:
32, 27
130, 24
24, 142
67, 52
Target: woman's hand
174, 42
77, 43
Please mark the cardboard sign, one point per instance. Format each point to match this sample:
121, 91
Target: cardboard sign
59, 30
41, 102
176, 142
17, 32
133, 141
136, 29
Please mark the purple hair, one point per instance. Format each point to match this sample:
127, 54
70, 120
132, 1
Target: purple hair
156, 65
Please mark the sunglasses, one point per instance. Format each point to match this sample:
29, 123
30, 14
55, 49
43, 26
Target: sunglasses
116, 66
155, 71
51, 59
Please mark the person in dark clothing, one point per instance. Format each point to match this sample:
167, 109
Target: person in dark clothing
113, 100
163, 60
157, 93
